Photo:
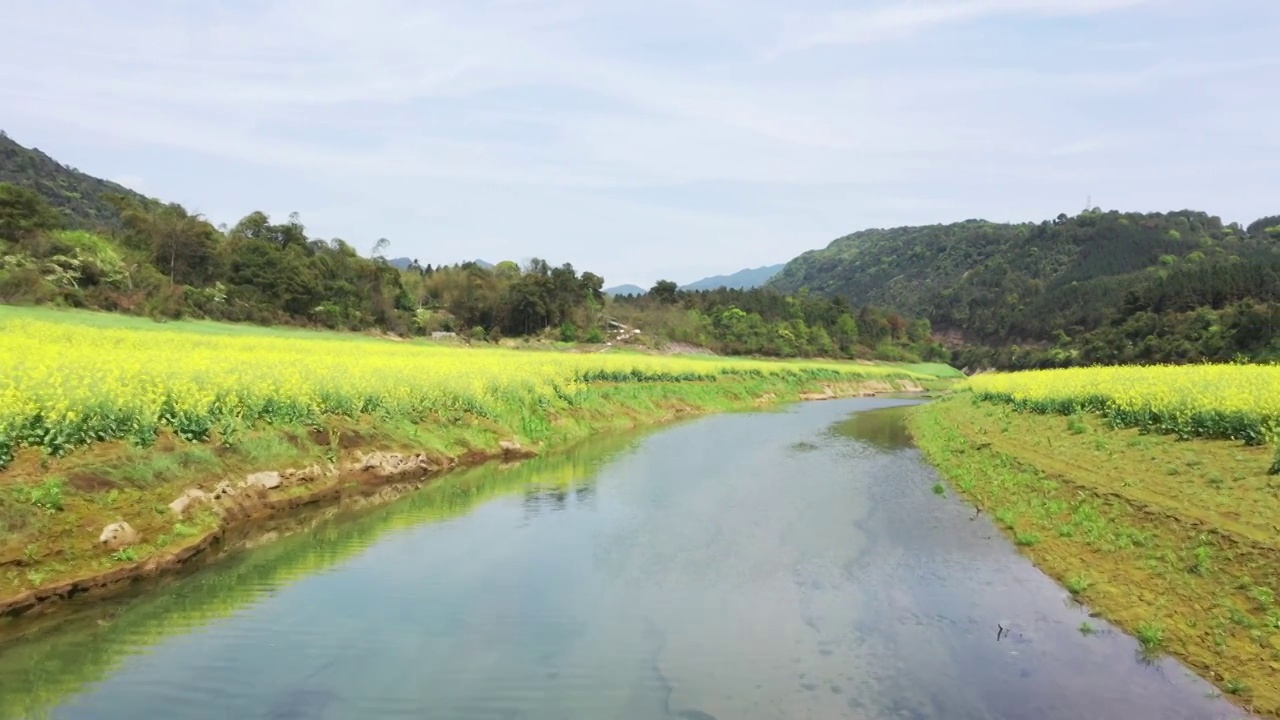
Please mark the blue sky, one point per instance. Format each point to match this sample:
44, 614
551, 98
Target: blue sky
651, 138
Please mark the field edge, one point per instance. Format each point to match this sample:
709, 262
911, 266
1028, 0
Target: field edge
1179, 580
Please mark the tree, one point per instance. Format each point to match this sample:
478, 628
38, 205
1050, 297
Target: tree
664, 291
182, 245
594, 285
507, 271
254, 226
846, 333
24, 212
820, 342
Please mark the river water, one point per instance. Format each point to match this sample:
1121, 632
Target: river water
789, 564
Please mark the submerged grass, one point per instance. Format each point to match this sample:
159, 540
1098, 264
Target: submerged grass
1186, 561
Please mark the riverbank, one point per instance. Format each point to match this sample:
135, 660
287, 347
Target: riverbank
1174, 541
55, 509
82, 643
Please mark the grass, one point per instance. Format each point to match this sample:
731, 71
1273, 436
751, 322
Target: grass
1077, 584
939, 370
115, 321
1150, 636
1188, 562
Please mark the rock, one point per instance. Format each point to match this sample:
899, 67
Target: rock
305, 475
118, 535
388, 464
264, 539
389, 493
189, 497
510, 447
268, 480
222, 491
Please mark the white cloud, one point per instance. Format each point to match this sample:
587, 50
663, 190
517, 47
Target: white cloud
895, 20
512, 128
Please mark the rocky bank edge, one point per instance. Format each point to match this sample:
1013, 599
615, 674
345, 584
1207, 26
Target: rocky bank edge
371, 478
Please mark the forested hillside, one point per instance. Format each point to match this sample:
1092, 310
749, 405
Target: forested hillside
761, 321
70, 239
1097, 287
80, 199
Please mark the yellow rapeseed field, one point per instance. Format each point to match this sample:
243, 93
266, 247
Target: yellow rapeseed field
1240, 402
65, 383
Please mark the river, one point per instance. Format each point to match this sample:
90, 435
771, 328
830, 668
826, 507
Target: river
787, 564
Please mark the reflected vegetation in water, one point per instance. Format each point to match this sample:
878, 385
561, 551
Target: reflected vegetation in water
39, 670
793, 564
885, 427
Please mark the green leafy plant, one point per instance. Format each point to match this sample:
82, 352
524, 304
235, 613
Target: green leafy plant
1150, 635
1235, 687
1077, 584
47, 495
1027, 539
125, 555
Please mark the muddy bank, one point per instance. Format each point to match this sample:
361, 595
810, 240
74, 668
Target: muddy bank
253, 514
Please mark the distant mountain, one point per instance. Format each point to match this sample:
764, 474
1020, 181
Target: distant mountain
625, 290
79, 197
741, 280
403, 263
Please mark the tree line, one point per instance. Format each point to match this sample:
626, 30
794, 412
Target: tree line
164, 261
763, 321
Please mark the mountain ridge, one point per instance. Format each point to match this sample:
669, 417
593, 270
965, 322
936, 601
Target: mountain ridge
80, 198
741, 280
627, 289
744, 279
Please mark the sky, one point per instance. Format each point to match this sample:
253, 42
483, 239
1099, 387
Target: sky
647, 139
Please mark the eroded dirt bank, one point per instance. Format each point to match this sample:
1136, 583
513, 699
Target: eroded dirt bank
258, 506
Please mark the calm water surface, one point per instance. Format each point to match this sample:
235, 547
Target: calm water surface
794, 564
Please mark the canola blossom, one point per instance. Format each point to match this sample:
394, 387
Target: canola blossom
65, 384
1240, 402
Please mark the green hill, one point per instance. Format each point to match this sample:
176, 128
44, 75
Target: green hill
1097, 287
80, 198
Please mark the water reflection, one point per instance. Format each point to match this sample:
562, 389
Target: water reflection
39, 670
883, 427
783, 565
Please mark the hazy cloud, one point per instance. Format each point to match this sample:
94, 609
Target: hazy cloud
657, 138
